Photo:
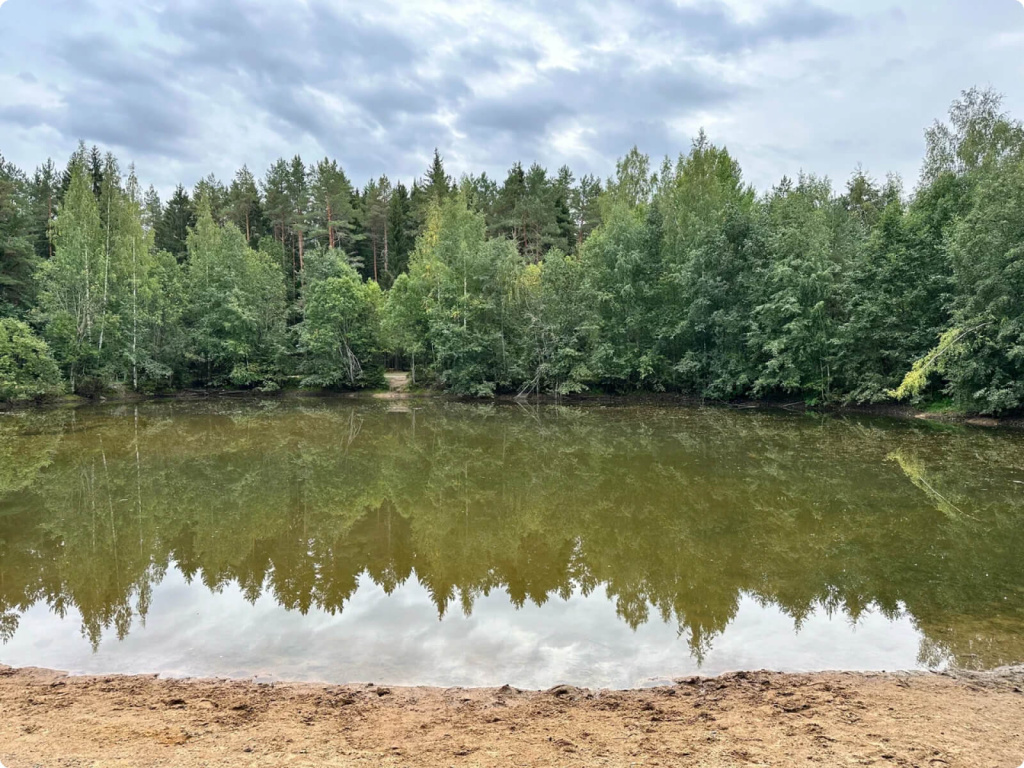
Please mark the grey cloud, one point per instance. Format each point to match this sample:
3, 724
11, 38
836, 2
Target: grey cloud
380, 50
130, 118
283, 44
119, 99
221, 84
25, 115
270, 55
102, 60
386, 100
525, 117
217, 39
615, 96
122, 98
651, 135
713, 27
479, 56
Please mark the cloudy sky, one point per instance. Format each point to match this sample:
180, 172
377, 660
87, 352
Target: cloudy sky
188, 87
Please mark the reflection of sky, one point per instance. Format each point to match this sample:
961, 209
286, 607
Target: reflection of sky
399, 640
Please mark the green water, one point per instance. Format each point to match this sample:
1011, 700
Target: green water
472, 544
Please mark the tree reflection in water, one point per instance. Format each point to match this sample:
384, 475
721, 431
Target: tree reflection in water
676, 513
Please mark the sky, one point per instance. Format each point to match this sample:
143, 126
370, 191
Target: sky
185, 88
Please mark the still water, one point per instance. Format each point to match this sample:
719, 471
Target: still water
455, 544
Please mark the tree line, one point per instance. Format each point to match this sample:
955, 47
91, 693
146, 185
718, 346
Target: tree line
679, 277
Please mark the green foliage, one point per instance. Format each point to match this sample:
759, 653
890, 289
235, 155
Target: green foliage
430, 191
532, 211
243, 207
709, 249
333, 214
987, 249
677, 278
27, 369
404, 324
375, 246
17, 257
625, 277
978, 135
236, 306
467, 285
401, 232
972, 206
916, 380
340, 335
71, 283
559, 327
176, 219
897, 289
809, 245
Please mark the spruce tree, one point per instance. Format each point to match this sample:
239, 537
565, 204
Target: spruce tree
17, 255
172, 231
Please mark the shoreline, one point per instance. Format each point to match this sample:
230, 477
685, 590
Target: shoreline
883, 410
745, 718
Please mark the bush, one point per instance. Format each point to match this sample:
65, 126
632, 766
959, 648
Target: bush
27, 369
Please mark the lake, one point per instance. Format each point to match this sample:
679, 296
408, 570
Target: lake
440, 543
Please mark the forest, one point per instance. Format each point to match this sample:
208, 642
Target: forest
673, 277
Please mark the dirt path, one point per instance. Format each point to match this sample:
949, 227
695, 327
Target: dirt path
757, 719
398, 381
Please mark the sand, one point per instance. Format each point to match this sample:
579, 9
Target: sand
742, 719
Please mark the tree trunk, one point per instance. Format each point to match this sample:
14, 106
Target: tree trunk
106, 271
87, 315
49, 222
330, 226
135, 322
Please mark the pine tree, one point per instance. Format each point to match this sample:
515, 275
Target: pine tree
333, 216
401, 231
79, 159
562, 193
152, 210
216, 196
584, 207
45, 196
376, 206
299, 200
509, 213
432, 190
243, 205
17, 256
177, 218
96, 163
437, 184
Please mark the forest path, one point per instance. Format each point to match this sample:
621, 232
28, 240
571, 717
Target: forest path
398, 381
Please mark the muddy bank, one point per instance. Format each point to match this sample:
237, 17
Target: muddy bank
756, 719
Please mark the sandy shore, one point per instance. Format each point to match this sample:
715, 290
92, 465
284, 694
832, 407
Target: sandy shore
755, 719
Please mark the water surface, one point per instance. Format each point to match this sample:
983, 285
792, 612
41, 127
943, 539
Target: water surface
454, 544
